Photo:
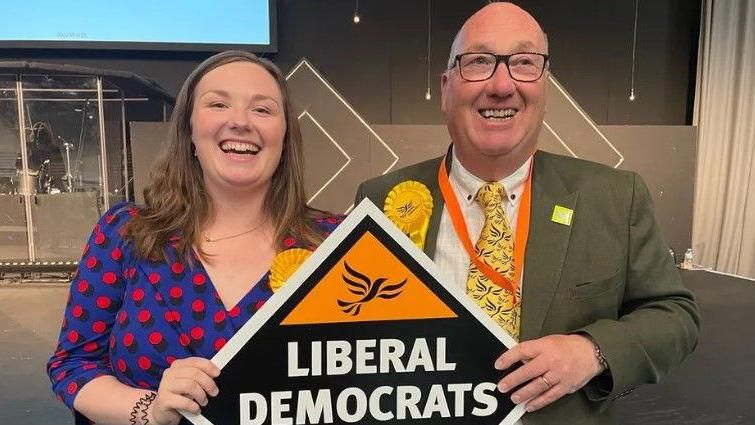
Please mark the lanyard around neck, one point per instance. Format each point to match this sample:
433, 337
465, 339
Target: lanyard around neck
522, 231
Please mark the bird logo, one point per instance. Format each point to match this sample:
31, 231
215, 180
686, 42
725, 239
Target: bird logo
367, 289
407, 209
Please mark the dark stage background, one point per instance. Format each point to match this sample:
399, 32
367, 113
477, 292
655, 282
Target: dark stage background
380, 63
380, 67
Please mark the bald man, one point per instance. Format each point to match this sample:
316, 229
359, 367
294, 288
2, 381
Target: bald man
579, 273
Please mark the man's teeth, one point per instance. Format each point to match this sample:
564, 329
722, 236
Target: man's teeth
239, 147
498, 113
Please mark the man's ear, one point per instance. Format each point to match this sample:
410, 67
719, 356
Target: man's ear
443, 87
546, 81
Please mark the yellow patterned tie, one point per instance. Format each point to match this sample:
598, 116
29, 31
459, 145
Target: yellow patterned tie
496, 248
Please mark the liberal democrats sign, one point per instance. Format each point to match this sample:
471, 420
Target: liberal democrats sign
364, 332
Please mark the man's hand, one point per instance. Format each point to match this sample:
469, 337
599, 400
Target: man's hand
554, 366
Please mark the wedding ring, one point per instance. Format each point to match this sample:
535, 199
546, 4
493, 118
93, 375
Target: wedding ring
545, 381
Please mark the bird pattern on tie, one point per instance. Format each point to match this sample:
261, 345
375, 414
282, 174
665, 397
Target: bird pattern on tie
495, 247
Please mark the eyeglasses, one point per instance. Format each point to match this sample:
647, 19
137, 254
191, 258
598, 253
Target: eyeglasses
524, 67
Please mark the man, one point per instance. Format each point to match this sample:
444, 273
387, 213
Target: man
599, 308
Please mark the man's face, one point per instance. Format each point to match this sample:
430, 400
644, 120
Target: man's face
498, 117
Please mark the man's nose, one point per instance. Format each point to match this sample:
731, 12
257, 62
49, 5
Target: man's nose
501, 83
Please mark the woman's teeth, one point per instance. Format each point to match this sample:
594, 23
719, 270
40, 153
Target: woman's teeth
242, 148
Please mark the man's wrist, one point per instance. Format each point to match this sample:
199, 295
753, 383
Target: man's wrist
600, 360
600, 357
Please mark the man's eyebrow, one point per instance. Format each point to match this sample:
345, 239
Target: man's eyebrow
520, 46
479, 47
526, 45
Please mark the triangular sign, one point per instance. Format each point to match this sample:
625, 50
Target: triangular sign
364, 332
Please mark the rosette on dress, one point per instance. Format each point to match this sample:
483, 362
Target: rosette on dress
285, 265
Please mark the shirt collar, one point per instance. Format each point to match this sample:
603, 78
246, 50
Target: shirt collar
467, 184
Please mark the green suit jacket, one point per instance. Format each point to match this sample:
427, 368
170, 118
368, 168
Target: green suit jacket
608, 274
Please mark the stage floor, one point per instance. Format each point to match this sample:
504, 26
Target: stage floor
712, 388
30, 317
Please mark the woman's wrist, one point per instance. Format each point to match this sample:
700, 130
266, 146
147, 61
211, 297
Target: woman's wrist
141, 412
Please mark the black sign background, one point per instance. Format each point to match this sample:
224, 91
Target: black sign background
261, 365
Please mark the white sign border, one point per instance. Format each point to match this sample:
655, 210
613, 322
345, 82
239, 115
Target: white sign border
365, 209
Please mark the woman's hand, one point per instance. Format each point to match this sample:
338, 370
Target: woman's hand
185, 385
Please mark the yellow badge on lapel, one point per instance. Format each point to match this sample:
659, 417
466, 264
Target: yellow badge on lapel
409, 206
562, 215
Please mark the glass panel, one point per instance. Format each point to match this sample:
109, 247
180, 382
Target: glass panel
63, 146
113, 113
62, 223
13, 234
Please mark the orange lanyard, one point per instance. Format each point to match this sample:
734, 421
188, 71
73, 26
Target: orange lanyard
522, 231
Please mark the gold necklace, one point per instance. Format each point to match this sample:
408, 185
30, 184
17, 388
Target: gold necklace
211, 240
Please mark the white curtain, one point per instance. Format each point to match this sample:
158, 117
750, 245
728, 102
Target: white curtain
723, 234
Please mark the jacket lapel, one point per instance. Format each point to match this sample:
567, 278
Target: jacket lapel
546, 246
431, 181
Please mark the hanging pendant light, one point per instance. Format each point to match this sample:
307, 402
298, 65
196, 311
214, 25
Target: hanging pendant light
428, 95
357, 19
632, 97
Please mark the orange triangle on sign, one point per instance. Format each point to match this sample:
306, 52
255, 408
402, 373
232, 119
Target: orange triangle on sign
368, 284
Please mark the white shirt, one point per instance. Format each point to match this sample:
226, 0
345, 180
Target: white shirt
450, 255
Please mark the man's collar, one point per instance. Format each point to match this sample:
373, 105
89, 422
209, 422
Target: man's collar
467, 184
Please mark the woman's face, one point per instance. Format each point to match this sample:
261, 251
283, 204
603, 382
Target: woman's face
237, 127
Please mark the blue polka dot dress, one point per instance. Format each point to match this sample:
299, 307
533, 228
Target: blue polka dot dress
131, 317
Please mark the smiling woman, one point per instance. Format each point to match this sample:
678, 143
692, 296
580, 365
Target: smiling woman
238, 125
162, 286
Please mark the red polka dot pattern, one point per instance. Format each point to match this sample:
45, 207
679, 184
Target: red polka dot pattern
219, 343
137, 295
131, 318
99, 327
155, 338
109, 278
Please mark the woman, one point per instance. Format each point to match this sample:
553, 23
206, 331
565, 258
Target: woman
162, 287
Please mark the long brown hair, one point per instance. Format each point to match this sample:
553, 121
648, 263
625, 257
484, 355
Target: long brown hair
175, 200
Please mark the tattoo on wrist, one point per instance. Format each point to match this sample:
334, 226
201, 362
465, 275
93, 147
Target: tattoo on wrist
139, 411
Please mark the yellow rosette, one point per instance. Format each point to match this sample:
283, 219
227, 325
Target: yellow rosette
409, 206
285, 265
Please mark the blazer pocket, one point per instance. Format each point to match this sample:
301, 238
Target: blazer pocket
596, 287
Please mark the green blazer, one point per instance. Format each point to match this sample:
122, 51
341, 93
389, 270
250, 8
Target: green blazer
608, 274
